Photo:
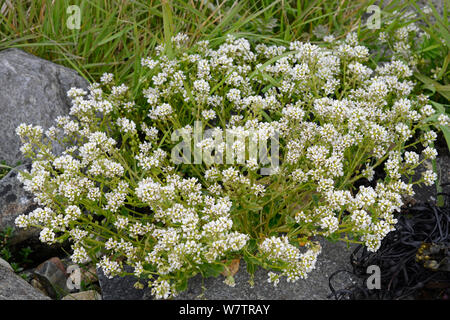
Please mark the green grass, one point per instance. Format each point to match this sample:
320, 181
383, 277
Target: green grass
4, 169
115, 35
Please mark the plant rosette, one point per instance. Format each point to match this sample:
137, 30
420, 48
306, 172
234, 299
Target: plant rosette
322, 118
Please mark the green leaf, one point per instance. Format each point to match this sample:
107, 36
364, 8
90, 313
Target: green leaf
274, 221
440, 108
434, 86
252, 245
252, 264
211, 270
334, 237
446, 132
182, 285
168, 27
315, 198
290, 220
266, 116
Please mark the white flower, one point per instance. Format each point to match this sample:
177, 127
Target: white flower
427, 110
429, 153
202, 86
78, 234
429, 177
47, 236
161, 112
161, 289
107, 78
121, 223
119, 90
149, 63
411, 158
22, 221
79, 255
329, 38
126, 125
209, 114
444, 120
109, 268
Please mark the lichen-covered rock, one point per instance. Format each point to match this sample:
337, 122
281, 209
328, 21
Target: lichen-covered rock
34, 91
13, 287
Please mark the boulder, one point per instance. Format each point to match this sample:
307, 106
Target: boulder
13, 287
32, 90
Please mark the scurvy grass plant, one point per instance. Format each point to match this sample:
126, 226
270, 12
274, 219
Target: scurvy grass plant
117, 194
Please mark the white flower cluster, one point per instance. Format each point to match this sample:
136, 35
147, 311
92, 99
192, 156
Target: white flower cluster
116, 193
296, 265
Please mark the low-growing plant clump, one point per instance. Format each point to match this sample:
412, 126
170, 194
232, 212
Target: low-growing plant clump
123, 194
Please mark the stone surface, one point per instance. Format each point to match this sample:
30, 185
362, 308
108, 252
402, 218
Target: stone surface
36, 284
53, 279
58, 263
13, 287
121, 288
32, 90
5, 264
83, 295
334, 256
14, 201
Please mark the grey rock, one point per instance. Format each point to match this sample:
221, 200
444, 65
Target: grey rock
36, 284
5, 264
52, 278
14, 201
13, 287
32, 90
334, 257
